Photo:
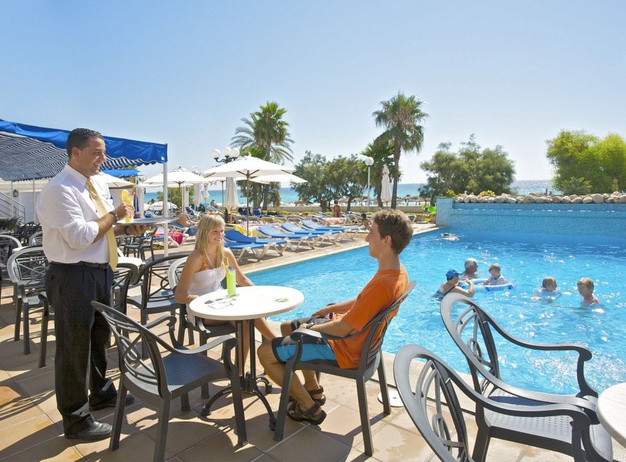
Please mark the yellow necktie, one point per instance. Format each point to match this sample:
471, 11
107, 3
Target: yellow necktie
102, 211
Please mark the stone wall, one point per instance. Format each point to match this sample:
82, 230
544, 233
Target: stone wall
614, 198
585, 217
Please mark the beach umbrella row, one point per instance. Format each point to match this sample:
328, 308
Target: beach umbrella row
250, 169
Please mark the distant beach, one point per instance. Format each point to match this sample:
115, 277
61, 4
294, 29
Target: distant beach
289, 196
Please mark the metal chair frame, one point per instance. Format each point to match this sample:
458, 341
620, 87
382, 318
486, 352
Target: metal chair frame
473, 332
370, 362
169, 372
428, 391
205, 332
27, 270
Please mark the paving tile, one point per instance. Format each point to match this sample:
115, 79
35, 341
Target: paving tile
32, 427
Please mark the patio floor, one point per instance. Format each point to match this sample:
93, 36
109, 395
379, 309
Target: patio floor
32, 429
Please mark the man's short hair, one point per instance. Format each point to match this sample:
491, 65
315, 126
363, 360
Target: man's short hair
79, 137
587, 282
470, 262
395, 224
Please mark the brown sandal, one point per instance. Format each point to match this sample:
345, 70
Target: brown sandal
320, 391
295, 412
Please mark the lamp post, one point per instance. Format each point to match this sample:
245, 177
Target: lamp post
230, 154
369, 162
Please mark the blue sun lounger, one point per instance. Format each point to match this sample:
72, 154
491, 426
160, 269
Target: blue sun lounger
242, 249
292, 238
347, 231
322, 235
270, 244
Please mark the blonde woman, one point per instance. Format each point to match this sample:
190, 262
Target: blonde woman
205, 270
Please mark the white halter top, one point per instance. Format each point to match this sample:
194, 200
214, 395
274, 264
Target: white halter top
206, 281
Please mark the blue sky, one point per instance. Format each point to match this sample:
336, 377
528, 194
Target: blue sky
514, 73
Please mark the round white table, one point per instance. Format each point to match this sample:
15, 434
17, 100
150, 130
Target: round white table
250, 303
612, 411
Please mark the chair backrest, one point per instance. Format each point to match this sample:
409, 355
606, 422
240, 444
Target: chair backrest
155, 284
435, 408
36, 238
8, 244
475, 333
429, 397
175, 270
471, 331
28, 266
131, 337
123, 276
27, 230
376, 329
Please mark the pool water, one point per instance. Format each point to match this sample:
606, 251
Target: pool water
525, 259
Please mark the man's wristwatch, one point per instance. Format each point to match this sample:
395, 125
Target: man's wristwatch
117, 218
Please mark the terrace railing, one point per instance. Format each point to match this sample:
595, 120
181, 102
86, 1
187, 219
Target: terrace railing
10, 207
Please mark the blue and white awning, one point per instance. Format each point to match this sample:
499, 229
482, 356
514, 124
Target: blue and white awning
32, 153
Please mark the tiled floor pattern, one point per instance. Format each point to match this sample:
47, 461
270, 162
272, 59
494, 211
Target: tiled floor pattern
31, 429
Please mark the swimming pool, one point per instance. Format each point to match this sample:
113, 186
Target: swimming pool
525, 259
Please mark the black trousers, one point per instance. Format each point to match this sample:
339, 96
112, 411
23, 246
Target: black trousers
82, 336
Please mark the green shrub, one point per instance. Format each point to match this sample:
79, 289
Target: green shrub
577, 186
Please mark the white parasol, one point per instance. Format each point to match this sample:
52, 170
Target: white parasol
231, 200
385, 186
113, 181
247, 168
282, 178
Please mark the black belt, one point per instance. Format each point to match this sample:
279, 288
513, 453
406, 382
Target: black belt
83, 264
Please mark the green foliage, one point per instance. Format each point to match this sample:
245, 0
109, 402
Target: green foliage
400, 117
468, 170
578, 186
265, 135
342, 177
450, 193
578, 155
174, 195
486, 193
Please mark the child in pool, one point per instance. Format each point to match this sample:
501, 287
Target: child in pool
452, 285
548, 290
585, 288
495, 277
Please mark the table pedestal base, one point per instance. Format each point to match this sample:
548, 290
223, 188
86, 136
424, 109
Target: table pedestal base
249, 385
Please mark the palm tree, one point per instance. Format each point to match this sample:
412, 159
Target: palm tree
265, 135
400, 117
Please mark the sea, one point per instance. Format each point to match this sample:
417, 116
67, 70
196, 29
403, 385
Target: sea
289, 196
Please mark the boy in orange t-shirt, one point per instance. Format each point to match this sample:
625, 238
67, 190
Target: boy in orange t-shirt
390, 233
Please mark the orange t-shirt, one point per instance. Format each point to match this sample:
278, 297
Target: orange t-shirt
380, 292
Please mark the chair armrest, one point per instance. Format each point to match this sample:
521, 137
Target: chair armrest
584, 354
161, 320
228, 341
171, 323
301, 331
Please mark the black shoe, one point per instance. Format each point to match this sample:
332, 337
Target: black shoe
130, 399
95, 432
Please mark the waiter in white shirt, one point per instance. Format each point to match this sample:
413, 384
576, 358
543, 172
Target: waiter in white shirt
77, 219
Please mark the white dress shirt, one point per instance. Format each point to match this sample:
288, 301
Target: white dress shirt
68, 219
